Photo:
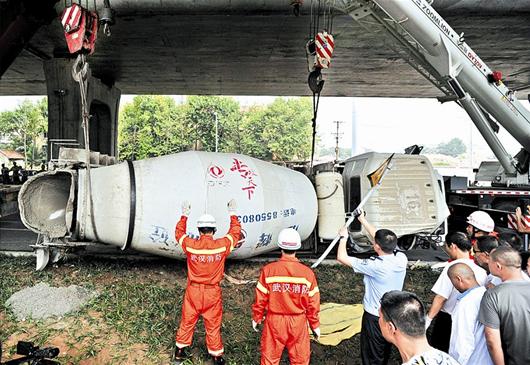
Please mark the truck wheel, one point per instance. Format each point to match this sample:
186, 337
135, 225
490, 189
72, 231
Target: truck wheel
405, 242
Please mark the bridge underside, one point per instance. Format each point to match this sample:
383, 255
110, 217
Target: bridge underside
262, 54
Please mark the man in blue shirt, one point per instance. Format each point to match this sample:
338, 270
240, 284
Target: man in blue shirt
382, 274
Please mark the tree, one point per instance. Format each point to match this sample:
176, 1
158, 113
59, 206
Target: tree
454, 147
281, 131
25, 128
252, 128
151, 126
200, 114
154, 125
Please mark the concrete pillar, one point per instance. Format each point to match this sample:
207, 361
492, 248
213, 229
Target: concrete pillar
64, 110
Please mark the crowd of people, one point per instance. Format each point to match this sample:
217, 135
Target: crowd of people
480, 313
16, 174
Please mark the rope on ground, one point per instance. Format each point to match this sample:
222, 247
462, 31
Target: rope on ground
235, 281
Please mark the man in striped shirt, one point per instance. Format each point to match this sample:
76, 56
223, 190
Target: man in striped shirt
287, 297
206, 265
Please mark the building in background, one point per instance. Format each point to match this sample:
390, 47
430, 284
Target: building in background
7, 157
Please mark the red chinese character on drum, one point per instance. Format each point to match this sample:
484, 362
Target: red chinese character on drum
247, 174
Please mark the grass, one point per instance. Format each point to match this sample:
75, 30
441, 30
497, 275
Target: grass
134, 317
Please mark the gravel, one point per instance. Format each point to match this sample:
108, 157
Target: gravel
42, 301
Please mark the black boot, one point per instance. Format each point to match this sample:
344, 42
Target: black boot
180, 354
218, 360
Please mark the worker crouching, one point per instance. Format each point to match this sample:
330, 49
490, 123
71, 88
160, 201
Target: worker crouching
206, 263
287, 297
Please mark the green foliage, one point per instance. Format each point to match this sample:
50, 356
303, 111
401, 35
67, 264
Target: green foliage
200, 113
151, 126
281, 131
25, 128
154, 126
454, 147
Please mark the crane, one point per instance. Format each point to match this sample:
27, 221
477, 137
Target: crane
421, 37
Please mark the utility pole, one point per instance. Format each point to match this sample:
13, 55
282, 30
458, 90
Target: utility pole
216, 131
337, 135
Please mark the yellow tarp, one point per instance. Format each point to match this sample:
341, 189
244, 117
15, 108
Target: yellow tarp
339, 322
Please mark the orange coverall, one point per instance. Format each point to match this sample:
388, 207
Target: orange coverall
287, 290
206, 265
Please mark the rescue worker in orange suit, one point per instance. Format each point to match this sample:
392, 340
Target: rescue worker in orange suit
206, 263
287, 298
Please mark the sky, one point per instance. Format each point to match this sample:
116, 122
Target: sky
382, 124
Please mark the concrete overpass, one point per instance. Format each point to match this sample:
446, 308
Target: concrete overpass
256, 47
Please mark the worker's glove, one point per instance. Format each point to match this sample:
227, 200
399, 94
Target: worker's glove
255, 325
232, 207
359, 212
316, 333
428, 321
186, 208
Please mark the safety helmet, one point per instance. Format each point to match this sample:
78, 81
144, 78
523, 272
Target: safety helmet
206, 221
481, 220
289, 239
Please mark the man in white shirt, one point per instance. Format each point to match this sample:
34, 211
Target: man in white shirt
468, 343
457, 246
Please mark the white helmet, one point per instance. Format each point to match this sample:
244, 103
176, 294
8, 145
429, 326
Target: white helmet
481, 220
206, 221
289, 239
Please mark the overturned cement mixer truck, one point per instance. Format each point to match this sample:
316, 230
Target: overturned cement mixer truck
137, 204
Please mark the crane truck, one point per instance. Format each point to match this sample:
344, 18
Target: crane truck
421, 37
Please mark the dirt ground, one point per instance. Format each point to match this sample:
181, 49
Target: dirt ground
133, 319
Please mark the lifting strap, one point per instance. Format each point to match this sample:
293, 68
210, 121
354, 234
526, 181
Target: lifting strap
81, 74
316, 100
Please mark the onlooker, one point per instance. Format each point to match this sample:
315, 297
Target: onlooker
383, 273
16, 173
402, 322
5, 174
504, 310
468, 343
482, 248
24, 174
457, 246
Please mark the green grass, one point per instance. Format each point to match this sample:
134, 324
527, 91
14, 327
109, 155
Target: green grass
134, 317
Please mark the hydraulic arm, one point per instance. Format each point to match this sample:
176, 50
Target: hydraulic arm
423, 39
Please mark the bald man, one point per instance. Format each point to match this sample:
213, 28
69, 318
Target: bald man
504, 310
468, 343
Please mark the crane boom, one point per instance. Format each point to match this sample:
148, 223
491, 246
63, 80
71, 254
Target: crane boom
425, 40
